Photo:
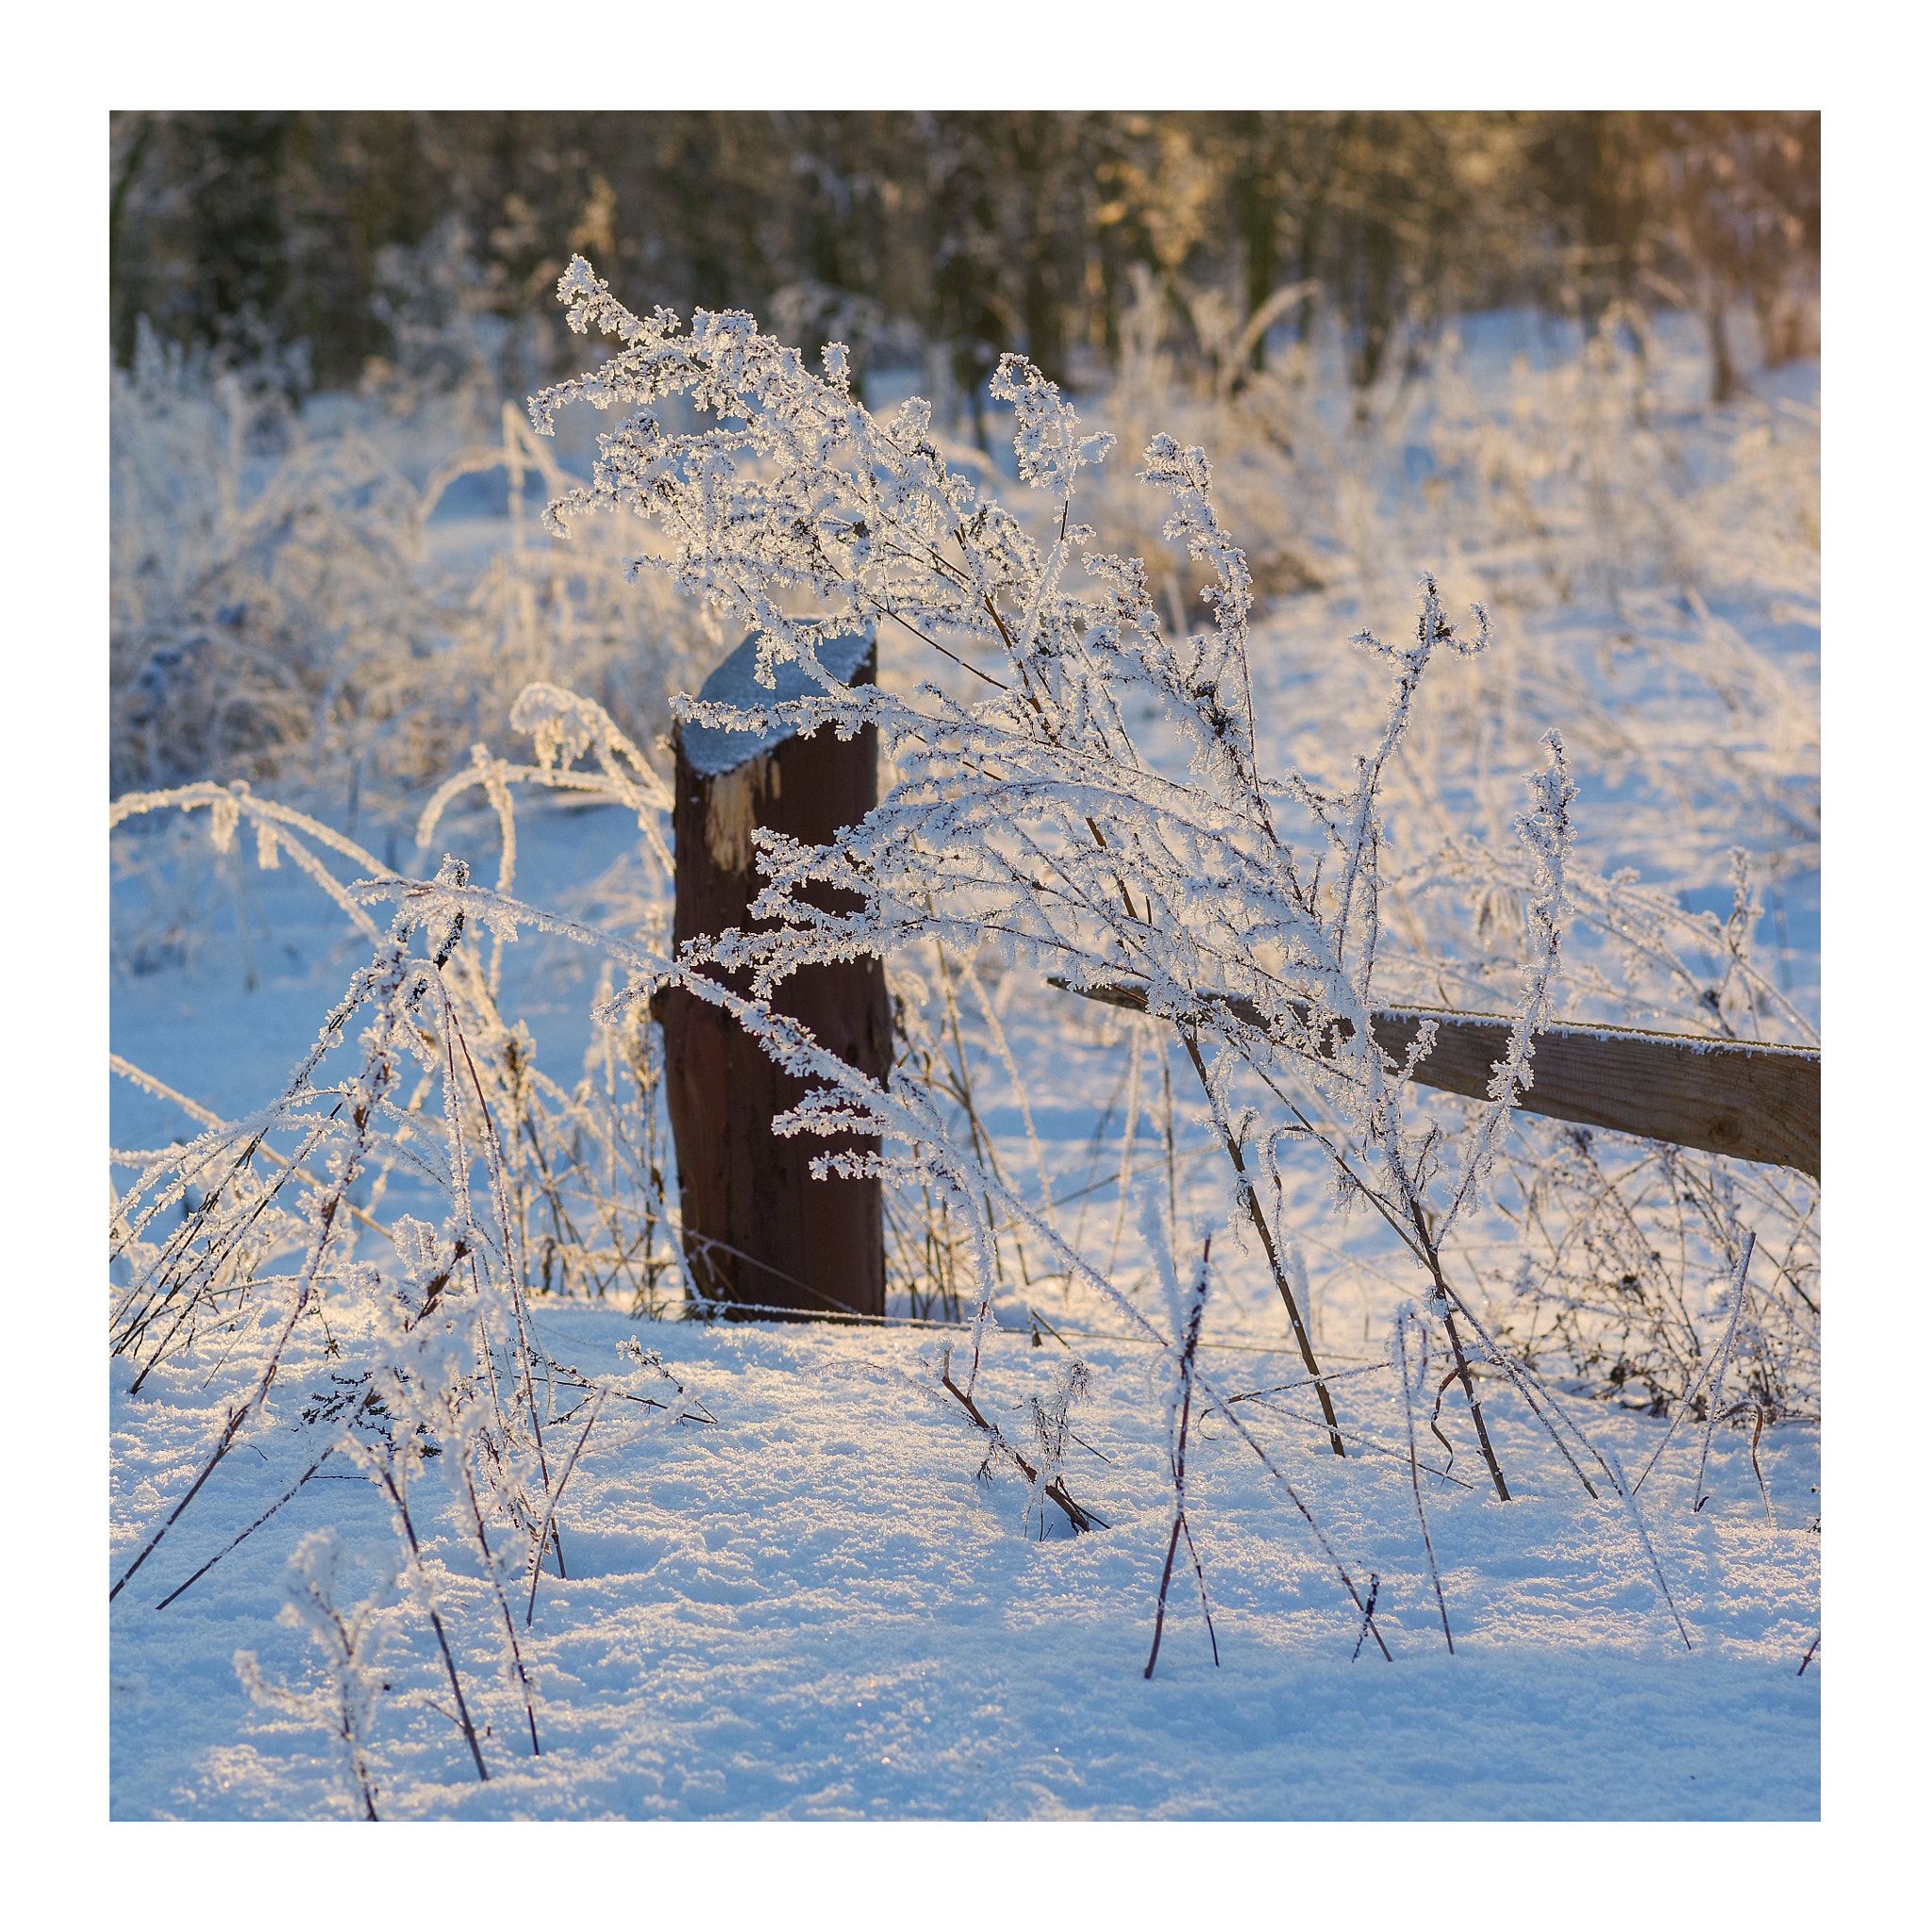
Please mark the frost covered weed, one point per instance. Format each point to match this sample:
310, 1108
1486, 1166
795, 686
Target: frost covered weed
1031, 819
922, 547
345, 1707
581, 1170
285, 606
1590, 507
1033, 823
442, 1361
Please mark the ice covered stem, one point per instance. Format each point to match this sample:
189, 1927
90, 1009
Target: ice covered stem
493, 1570
347, 1709
1763, 1415
535, 1563
1243, 1184
1628, 1494
1368, 1616
1078, 1518
1177, 1465
384, 1471
1402, 1321
1717, 1388
1446, 1310
1546, 833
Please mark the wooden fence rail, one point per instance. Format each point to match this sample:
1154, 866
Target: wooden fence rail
761, 1235
1745, 1098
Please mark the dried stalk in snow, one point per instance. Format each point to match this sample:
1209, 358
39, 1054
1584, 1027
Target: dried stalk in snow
1403, 1318
1717, 1387
1189, 1339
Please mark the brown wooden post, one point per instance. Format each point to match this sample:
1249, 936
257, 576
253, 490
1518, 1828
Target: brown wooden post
759, 1231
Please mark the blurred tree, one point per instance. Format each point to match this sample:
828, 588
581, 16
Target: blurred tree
1740, 209
964, 234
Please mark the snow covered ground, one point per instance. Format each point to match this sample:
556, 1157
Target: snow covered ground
810, 1607
806, 1602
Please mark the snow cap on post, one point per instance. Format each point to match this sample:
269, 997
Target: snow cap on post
712, 749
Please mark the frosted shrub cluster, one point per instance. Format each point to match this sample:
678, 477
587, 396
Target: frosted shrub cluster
437, 1366
1243, 908
286, 606
1623, 533
1259, 917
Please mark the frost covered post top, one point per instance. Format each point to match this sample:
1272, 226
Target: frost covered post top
712, 749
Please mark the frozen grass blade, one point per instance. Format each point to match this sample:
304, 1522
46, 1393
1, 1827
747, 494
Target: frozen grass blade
1628, 1495
1717, 1387
1404, 1317
1188, 1340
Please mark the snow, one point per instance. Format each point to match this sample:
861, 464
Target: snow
810, 1605
812, 1610
710, 749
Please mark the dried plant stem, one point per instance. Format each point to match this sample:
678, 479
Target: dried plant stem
1178, 1467
1260, 1221
1521, 1375
1181, 1529
544, 1531
237, 1416
1275, 1406
1717, 1388
1520, 1385
387, 1478
492, 1161
1223, 1408
1167, 1134
286, 1496
502, 1604
1657, 1569
1475, 1407
1676, 1416
1764, 1489
1445, 1306
1079, 1518
1402, 1322
1368, 1616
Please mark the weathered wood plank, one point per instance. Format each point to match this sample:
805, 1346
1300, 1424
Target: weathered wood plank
1745, 1098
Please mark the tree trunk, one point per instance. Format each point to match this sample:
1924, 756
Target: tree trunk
759, 1233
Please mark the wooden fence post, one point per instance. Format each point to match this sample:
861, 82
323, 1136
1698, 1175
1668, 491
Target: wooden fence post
759, 1233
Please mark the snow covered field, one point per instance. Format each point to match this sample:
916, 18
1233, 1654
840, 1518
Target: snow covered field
810, 1608
804, 1600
